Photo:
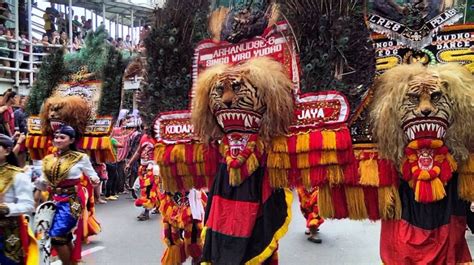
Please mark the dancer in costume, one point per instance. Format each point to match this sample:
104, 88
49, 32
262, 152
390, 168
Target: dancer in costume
245, 217
182, 225
17, 245
63, 171
309, 208
146, 176
424, 118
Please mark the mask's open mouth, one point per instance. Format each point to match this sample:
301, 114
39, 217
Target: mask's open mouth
238, 120
429, 127
55, 124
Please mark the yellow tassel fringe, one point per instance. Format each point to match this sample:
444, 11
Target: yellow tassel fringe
466, 186
326, 208
329, 140
355, 203
390, 206
335, 175
369, 172
302, 143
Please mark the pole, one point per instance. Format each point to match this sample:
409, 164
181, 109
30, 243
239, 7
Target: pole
103, 12
122, 27
70, 26
139, 29
116, 26
95, 20
132, 28
30, 40
17, 46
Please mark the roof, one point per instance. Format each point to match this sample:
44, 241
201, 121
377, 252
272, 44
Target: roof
123, 8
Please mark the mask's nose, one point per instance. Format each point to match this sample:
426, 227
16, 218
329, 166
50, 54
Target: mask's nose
426, 112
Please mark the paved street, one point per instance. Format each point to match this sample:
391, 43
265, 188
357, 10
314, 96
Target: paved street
125, 241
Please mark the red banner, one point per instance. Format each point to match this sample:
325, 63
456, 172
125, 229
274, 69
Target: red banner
174, 127
313, 110
275, 42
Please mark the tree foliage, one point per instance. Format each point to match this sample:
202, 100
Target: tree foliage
51, 73
98, 57
179, 26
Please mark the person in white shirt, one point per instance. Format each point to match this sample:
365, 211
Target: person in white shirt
16, 200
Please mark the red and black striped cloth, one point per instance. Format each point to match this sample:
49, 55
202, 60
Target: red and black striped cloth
428, 233
243, 224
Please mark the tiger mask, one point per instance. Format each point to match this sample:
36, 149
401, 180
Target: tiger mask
414, 102
71, 110
253, 97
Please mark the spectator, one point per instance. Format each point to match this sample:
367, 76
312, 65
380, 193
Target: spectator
127, 44
61, 22
4, 53
9, 99
55, 38
22, 16
83, 23
11, 45
77, 44
87, 25
44, 48
49, 18
21, 127
76, 26
20, 116
63, 40
119, 44
144, 32
4, 12
21, 56
141, 48
37, 48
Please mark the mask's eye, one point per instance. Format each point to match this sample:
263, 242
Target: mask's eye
413, 98
236, 87
435, 96
219, 89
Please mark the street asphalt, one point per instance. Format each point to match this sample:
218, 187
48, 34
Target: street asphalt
126, 241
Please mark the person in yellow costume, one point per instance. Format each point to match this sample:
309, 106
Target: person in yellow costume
63, 172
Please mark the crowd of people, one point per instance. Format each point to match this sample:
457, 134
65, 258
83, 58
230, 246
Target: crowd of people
61, 178
55, 21
56, 36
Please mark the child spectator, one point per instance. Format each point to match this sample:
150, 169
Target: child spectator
49, 18
55, 38
63, 40
4, 53
76, 26
22, 56
77, 44
61, 22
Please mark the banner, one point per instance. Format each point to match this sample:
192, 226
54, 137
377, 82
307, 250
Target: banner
413, 23
89, 90
174, 127
275, 42
314, 110
452, 44
99, 126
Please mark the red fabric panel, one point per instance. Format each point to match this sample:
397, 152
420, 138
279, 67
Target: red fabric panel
371, 202
339, 202
232, 218
24, 238
403, 243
